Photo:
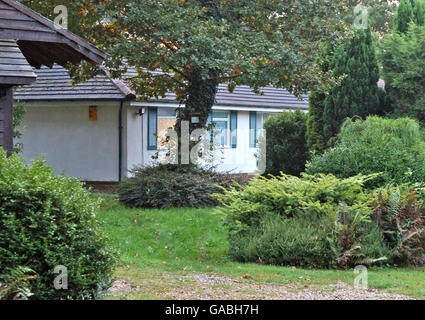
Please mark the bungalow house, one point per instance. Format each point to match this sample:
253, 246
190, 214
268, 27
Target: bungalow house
97, 131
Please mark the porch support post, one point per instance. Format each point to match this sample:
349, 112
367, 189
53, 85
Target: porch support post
6, 118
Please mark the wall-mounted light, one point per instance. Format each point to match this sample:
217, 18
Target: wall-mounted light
141, 111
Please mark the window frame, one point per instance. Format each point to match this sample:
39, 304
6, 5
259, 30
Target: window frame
228, 143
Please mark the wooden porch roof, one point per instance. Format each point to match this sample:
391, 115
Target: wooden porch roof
29, 39
41, 41
14, 68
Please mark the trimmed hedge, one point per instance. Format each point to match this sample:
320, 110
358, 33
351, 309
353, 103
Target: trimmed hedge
286, 148
48, 221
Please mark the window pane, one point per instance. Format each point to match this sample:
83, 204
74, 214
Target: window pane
163, 125
220, 115
152, 127
234, 129
166, 113
253, 129
221, 133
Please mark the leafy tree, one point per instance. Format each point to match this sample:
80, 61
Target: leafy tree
199, 44
84, 16
403, 61
358, 93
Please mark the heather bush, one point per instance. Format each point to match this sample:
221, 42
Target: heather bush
166, 186
289, 242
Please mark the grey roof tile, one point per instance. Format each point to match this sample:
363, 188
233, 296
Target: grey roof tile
55, 84
14, 68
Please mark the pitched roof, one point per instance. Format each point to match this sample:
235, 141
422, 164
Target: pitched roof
14, 68
41, 41
55, 84
243, 96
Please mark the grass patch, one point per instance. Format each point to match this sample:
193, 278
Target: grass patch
159, 249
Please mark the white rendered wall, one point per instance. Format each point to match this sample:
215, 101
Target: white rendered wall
132, 139
239, 160
70, 142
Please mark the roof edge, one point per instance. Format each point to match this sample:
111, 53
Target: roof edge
126, 91
64, 32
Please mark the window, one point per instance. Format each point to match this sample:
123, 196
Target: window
234, 128
225, 128
159, 121
221, 130
152, 128
253, 125
166, 119
256, 126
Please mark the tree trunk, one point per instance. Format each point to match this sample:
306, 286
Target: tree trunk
199, 103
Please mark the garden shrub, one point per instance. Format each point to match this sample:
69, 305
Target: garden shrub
394, 147
403, 69
166, 186
288, 242
48, 221
400, 214
286, 148
334, 213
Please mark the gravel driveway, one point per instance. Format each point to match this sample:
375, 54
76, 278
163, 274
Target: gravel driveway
215, 287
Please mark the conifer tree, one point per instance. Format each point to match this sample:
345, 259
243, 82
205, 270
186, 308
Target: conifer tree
358, 93
403, 16
409, 11
314, 136
419, 12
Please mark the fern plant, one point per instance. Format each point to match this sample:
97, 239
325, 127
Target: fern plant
15, 285
400, 214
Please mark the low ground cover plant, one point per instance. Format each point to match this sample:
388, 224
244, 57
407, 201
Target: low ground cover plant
322, 222
167, 186
48, 221
267, 217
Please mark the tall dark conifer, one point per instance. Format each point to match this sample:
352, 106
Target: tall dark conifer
358, 93
409, 11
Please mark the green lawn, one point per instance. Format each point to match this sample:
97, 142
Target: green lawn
161, 249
